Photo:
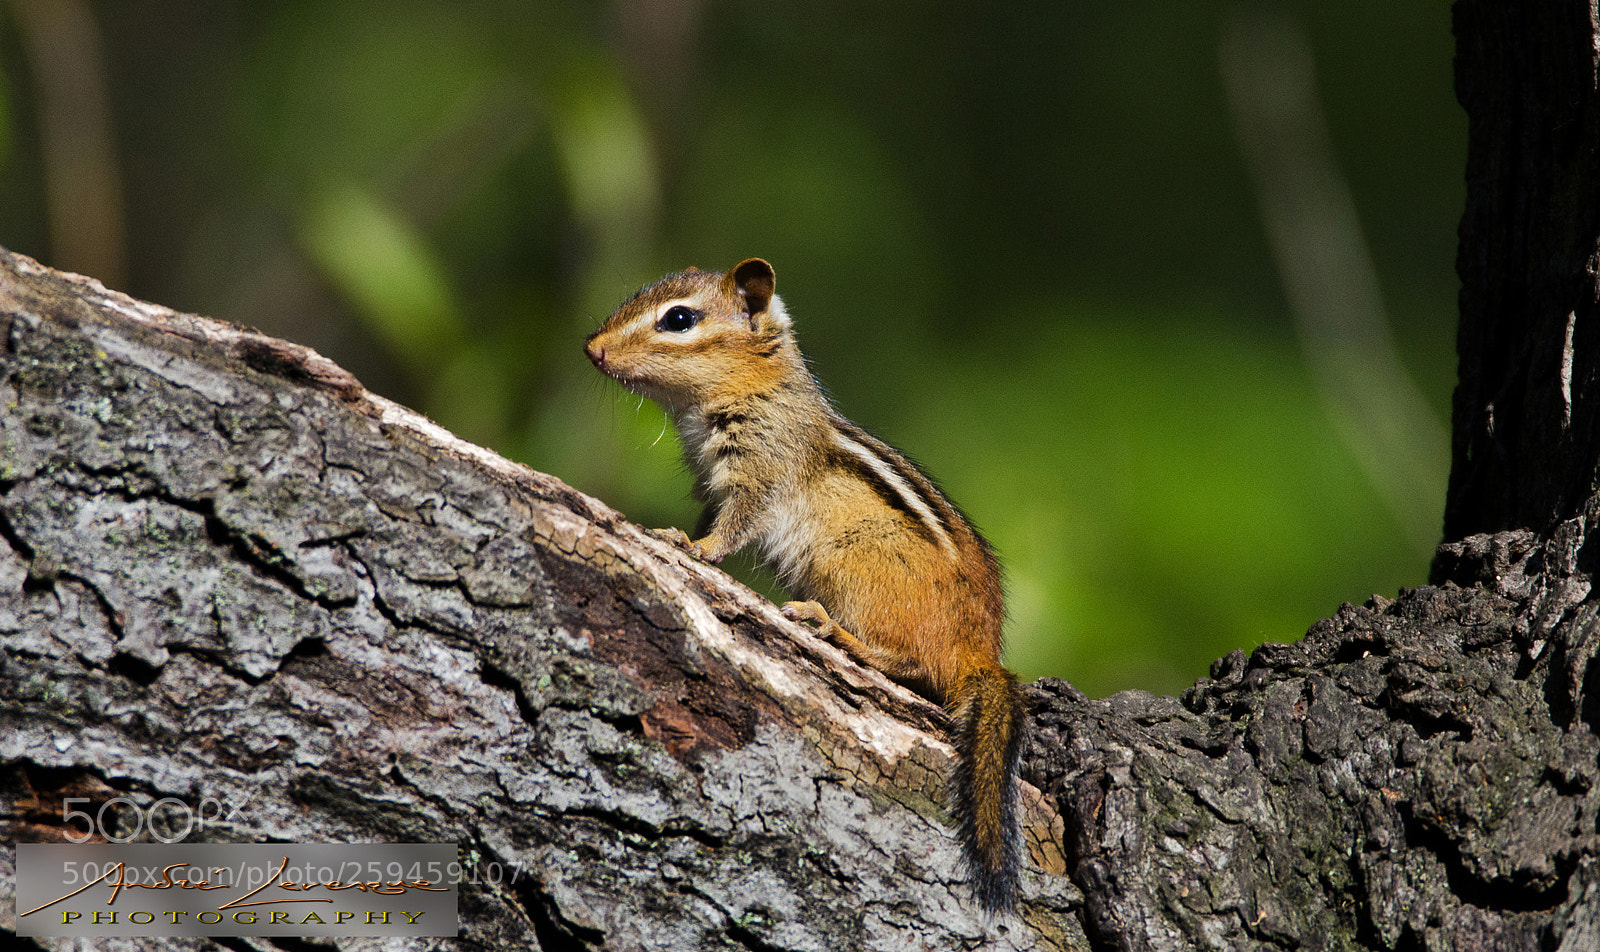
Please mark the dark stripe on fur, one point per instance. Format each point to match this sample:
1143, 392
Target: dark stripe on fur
884, 490
903, 466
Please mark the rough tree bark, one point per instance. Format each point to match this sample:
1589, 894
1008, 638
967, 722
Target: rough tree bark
228, 571
1526, 418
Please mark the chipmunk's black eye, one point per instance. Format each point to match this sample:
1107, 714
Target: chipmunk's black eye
679, 319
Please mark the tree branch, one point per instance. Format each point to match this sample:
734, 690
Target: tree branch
230, 572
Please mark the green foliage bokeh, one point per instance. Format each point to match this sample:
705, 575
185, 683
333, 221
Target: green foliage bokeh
1019, 241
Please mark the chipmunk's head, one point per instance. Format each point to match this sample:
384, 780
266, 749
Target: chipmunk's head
696, 334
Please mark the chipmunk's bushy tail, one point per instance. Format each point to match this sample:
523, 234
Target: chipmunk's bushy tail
988, 710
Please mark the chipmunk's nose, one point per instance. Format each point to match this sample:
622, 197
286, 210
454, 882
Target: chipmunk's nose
597, 355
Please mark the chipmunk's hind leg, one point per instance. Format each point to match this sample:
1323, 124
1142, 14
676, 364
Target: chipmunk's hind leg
898, 666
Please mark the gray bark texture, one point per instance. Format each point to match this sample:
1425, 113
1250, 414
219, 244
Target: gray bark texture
230, 574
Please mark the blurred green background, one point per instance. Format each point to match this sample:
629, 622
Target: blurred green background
1161, 292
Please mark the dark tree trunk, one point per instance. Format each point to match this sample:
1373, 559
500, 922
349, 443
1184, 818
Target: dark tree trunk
1527, 405
229, 572
1418, 773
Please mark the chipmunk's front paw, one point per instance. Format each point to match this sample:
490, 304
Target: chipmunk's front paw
676, 537
706, 550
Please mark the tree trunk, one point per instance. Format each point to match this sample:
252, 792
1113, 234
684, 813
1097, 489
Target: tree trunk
1526, 433
1417, 773
230, 574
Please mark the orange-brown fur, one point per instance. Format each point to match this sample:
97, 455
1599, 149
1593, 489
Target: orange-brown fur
882, 562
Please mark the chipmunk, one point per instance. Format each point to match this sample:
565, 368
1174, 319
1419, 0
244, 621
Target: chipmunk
882, 563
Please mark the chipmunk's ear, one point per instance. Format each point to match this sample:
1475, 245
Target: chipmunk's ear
753, 280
